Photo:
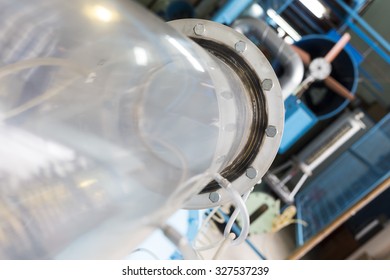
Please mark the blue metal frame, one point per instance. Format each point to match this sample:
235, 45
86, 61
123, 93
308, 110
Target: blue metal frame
271, 4
371, 43
372, 80
383, 48
358, 4
284, 7
230, 11
322, 200
365, 25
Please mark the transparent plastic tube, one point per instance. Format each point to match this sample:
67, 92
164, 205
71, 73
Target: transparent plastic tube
105, 113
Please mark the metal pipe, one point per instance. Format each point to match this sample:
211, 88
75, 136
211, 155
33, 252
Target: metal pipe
95, 137
110, 120
291, 62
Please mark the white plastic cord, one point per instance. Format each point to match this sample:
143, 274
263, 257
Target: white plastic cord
240, 209
36, 62
219, 218
41, 61
201, 229
226, 242
235, 214
38, 100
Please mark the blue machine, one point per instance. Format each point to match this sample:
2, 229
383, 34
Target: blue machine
318, 102
298, 121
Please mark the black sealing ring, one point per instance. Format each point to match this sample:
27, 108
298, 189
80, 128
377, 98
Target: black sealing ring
259, 123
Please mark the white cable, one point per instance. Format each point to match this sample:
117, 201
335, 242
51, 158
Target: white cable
240, 208
41, 61
201, 229
37, 62
235, 214
37, 100
227, 241
219, 218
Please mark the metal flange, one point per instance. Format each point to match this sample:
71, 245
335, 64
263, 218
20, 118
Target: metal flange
262, 86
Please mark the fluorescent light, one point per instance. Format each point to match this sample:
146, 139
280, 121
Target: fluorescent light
315, 7
103, 14
283, 24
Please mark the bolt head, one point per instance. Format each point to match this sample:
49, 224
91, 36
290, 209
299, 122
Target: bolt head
240, 46
214, 197
267, 84
271, 131
251, 173
199, 29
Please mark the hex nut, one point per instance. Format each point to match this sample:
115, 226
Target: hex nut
214, 197
267, 84
199, 29
240, 46
251, 173
271, 131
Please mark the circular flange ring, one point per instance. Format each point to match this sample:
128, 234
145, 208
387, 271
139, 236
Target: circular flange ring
226, 37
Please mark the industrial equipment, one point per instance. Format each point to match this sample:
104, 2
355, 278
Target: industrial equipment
111, 120
263, 209
328, 88
330, 80
268, 40
335, 139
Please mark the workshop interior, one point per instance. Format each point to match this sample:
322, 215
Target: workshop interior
195, 129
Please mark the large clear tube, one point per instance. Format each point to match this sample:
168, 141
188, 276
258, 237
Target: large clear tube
106, 113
